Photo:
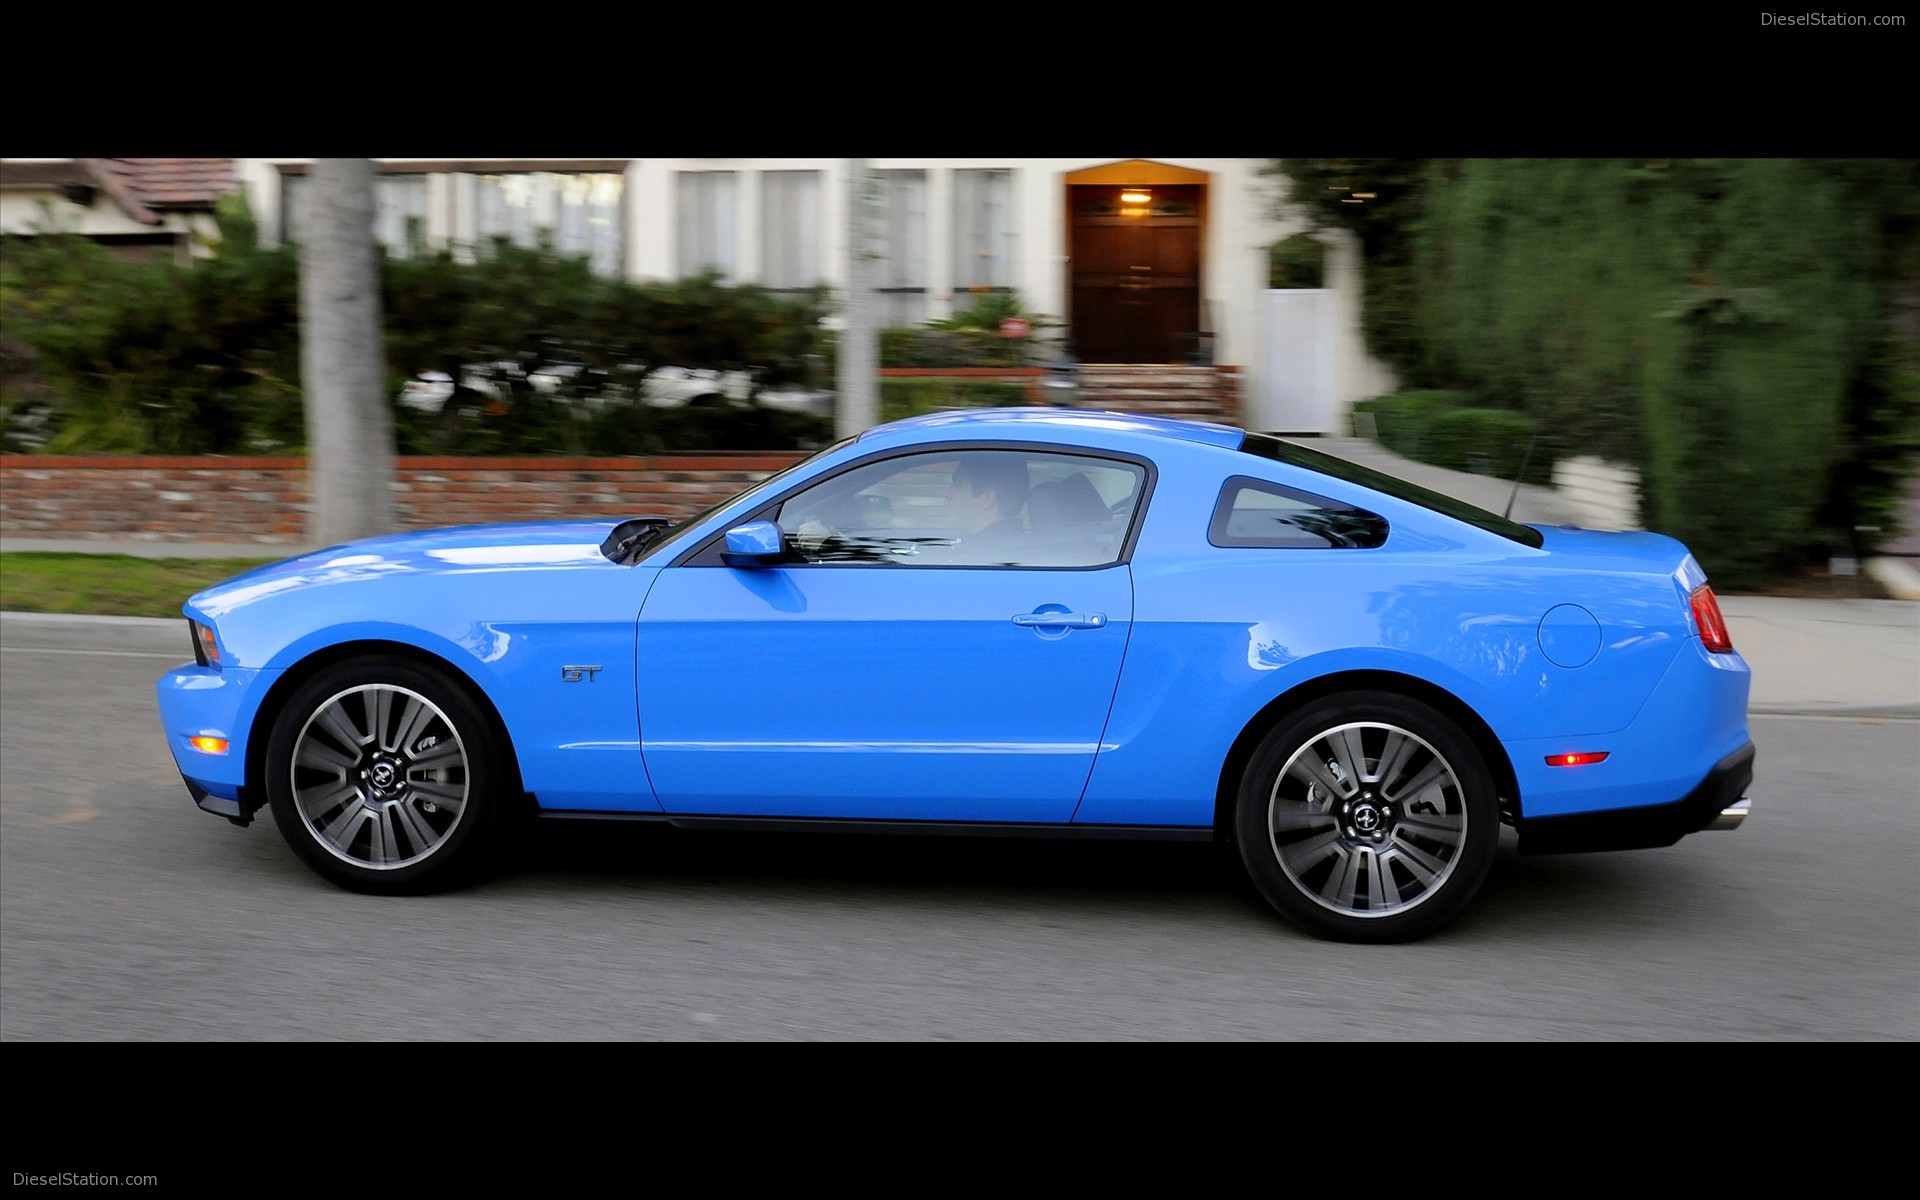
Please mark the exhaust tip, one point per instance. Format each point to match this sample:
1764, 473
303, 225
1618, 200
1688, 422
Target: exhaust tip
1731, 816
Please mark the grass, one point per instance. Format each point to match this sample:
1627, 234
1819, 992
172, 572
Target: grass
118, 585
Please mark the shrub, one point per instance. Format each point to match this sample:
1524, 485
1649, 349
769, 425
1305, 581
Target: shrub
101, 355
1401, 420
1489, 441
639, 429
1710, 322
1299, 261
911, 397
1456, 430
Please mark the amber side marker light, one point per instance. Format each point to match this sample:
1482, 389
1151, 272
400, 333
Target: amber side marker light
209, 745
1576, 760
205, 649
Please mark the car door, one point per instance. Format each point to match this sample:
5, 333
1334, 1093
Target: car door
886, 664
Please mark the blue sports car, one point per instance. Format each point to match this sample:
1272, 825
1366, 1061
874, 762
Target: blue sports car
1021, 622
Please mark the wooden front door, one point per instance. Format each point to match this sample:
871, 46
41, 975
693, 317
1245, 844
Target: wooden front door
1136, 273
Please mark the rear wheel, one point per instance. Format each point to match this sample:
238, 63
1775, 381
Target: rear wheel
382, 777
1368, 817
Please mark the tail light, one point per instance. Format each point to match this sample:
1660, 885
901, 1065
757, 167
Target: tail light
1707, 619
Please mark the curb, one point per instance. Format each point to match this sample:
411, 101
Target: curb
1849, 712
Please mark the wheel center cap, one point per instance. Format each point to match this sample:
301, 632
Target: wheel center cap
384, 775
1366, 818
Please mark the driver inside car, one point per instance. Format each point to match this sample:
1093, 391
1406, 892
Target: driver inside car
984, 498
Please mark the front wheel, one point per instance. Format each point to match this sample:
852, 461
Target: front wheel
382, 777
1367, 817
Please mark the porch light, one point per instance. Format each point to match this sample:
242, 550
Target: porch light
1135, 195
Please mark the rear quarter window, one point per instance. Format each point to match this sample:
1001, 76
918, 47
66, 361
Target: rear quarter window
1258, 513
1265, 445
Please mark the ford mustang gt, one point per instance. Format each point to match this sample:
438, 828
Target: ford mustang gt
1013, 622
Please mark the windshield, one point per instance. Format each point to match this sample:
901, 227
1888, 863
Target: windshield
682, 528
1267, 446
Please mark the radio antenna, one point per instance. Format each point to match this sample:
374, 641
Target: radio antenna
1525, 460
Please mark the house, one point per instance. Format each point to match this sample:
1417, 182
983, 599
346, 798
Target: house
1147, 263
135, 207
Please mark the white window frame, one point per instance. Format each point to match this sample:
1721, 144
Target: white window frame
985, 231
790, 228
903, 270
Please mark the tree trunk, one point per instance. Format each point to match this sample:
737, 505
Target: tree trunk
858, 386
343, 367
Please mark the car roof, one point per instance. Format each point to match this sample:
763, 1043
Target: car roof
1041, 421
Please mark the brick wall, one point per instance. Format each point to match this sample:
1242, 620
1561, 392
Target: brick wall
264, 500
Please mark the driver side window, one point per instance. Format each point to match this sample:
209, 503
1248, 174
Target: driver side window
978, 508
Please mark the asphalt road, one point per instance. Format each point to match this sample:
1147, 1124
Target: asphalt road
128, 915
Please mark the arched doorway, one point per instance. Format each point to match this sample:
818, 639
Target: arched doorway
1134, 235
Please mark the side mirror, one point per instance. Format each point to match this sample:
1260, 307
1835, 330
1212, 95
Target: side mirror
755, 544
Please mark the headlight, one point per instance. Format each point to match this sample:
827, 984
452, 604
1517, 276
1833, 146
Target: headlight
206, 651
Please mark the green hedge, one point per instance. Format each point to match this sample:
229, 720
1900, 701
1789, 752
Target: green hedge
103, 355
909, 346
911, 397
1299, 261
98, 355
1455, 430
1739, 330
1714, 323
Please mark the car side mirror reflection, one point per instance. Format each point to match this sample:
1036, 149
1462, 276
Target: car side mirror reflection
755, 544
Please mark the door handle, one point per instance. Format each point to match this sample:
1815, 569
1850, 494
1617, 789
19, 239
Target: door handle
1063, 620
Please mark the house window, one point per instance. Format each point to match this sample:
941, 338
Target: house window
903, 270
790, 229
587, 222
705, 207
578, 214
399, 212
983, 232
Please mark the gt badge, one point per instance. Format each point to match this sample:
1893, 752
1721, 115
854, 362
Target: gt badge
576, 674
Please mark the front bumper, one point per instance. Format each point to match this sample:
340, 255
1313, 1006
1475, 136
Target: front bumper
212, 702
1719, 802
239, 809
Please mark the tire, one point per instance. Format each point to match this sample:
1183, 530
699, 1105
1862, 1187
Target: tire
383, 777
1367, 817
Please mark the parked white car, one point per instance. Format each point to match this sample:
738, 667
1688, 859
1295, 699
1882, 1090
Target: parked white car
665, 387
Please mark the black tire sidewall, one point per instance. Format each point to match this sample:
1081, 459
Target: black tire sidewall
1478, 796
465, 853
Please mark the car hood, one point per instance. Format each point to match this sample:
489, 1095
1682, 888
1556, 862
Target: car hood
526, 545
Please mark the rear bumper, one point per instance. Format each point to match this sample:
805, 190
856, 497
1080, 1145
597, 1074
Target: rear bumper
1719, 802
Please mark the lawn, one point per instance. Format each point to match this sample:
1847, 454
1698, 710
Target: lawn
119, 585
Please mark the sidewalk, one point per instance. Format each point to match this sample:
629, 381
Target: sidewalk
1809, 656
